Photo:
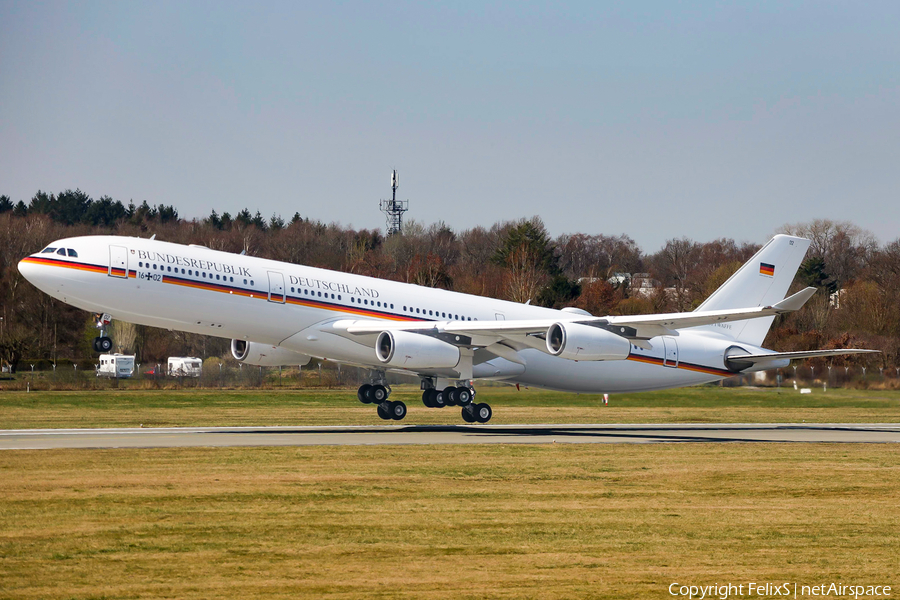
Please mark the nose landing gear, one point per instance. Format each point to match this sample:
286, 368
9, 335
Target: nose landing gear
102, 343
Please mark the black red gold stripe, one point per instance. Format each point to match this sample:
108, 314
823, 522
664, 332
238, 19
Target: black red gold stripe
229, 289
767, 269
54, 262
653, 360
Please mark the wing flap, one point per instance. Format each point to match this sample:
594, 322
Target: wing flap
648, 326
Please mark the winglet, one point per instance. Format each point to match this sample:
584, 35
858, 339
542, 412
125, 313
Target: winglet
796, 301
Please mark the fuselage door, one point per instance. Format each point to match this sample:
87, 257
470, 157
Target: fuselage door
118, 261
671, 352
276, 287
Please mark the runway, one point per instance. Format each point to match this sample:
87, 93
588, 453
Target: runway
184, 437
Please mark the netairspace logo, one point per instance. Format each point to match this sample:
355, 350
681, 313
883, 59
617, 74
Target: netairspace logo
784, 590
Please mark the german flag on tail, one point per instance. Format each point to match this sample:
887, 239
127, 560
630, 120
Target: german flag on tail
766, 269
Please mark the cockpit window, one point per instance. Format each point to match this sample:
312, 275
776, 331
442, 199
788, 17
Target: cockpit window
48, 250
72, 253
61, 251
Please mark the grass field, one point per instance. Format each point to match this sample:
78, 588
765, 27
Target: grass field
159, 408
581, 521
491, 521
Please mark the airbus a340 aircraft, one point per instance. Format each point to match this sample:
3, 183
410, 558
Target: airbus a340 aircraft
283, 314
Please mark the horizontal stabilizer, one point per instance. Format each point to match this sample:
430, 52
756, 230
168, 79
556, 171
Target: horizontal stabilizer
796, 301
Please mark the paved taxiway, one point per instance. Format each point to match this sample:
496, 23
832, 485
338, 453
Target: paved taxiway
182, 437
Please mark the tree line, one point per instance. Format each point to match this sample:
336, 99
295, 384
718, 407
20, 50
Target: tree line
515, 260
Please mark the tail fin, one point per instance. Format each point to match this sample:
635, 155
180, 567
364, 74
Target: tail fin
762, 281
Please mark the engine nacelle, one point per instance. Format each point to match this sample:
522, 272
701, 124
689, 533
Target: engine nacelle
415, 351
583, 342
266, 355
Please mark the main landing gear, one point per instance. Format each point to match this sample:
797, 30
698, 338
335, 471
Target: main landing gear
463, 396
378, 393
103, 343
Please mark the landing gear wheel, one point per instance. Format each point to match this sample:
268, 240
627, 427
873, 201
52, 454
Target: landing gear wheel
463, 396
468, 414
438, 399
102, 344
397, 410
363, 393
483, 413
449, 400
383, 411
426, 398
379, 393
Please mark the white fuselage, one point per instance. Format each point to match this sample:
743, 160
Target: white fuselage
195, 289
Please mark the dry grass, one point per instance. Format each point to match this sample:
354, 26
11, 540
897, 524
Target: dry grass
583, 521
130, 408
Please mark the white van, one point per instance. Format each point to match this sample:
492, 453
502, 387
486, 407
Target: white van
184, 366
115, 365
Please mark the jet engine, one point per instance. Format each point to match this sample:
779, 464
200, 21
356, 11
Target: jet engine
266, 355
415, 351
583, 342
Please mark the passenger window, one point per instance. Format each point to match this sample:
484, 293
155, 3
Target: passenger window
72, 253
352, 299
204, 275
417, 310
169, 269
154, 267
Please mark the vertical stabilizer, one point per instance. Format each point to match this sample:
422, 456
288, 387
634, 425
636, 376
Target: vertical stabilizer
762, 281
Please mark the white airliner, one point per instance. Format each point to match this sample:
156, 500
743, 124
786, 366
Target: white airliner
282, 314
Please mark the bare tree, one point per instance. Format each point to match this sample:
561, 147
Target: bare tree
843, 246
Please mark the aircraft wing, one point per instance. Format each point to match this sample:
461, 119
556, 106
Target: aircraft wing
634, 327
758, 358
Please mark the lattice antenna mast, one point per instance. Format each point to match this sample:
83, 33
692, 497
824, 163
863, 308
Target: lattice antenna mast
393, 208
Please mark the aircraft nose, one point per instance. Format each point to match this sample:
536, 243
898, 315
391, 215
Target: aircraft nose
30, 270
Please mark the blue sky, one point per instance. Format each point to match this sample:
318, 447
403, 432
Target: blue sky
656, 119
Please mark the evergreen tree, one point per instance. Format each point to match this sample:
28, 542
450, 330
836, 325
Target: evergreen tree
812, 272
213, 220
